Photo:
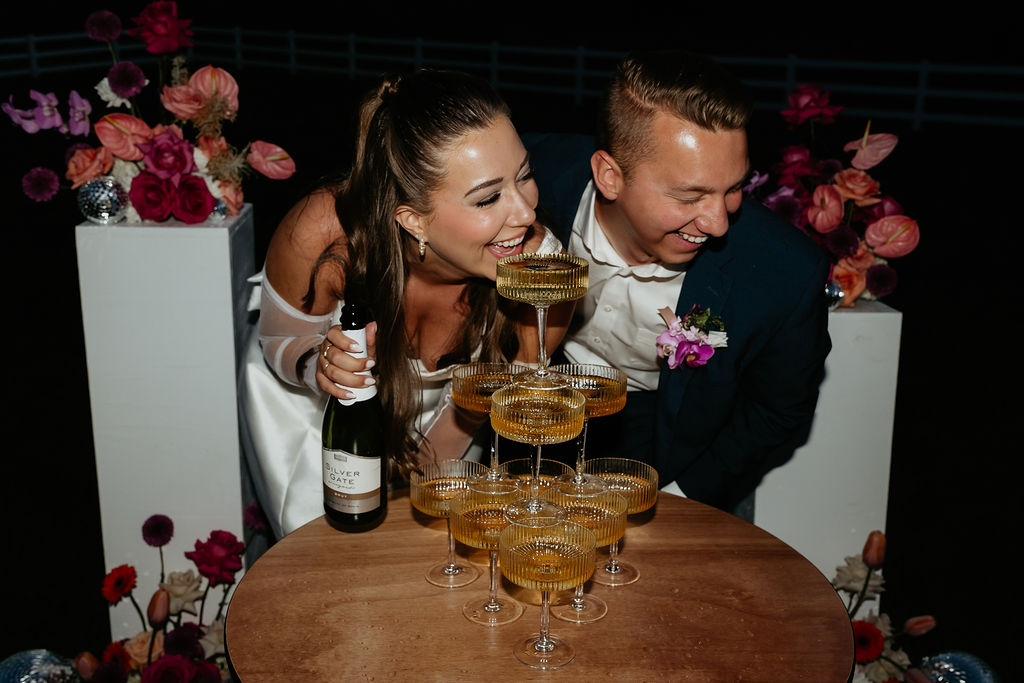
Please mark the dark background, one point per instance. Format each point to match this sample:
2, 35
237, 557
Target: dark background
951, 490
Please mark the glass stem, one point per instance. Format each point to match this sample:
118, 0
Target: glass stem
494, 456
582, 441
613, 559
452, 568
577, 599
535, 475
542, 330
492, 600
544, 642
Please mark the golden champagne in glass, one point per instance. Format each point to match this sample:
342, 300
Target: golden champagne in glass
536, 411
604, 513
431, 490
604, 388
551, 558
637, 482
478, 517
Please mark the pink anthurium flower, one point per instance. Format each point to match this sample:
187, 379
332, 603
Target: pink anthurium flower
871, 149
120, 133
211, 82
893, 236
270, 160
826, 209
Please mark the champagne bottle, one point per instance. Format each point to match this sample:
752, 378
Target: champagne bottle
355, 464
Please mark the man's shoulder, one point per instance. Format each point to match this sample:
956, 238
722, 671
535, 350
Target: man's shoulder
762, 235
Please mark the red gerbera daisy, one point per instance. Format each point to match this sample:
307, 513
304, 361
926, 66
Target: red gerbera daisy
869, 641
119, 583
116, 652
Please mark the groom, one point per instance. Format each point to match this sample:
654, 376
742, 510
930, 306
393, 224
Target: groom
657, 208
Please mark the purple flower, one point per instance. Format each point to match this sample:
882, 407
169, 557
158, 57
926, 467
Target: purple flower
157, 530
21, 117
757, 179
881, 280
785, 203
842, 242
78, 114
45, 113
40, 184
126, 79
103, 26
184, 641
694, 354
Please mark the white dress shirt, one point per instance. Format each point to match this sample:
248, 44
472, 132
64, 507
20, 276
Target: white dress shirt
617, 323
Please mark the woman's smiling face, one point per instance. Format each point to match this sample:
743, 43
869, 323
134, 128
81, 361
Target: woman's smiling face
484, 207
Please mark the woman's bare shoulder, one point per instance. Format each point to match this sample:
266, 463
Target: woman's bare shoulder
309, 227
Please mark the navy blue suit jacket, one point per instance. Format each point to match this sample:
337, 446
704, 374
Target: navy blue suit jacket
717, 429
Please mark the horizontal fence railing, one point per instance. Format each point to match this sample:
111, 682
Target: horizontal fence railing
916, 92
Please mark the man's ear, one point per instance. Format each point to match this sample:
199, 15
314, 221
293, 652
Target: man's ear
411, 221
608, 177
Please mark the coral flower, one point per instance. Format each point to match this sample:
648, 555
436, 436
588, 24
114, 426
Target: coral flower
893, 236
870, 149
858, 186
120, 133
918, 626
214, 83
270, 160
874, 549
119, 583
182, 101
826, 209
868, 640
86, 164
853, 282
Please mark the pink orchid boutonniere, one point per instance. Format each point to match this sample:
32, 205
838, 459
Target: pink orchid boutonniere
691, 339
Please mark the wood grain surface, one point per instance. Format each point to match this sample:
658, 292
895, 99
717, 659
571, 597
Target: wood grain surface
718, 600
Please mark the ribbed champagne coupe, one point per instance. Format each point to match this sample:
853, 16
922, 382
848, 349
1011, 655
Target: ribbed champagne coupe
431, 490
478, 516
637, 482
472, 387
536, 411
551, 558
604, 387
542, 280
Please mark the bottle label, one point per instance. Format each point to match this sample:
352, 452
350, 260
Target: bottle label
351, 482
363, 393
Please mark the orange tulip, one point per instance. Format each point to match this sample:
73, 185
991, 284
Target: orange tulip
159, 608
86, 665
874, 550
918, 626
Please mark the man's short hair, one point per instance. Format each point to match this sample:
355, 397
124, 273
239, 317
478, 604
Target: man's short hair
686, 85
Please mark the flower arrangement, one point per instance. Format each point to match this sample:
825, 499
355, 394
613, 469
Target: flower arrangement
162, 172
878, 659
841, 207
692, 339
169, 648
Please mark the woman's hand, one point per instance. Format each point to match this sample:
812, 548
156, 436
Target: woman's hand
336, 367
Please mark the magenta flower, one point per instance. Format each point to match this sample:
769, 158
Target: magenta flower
45, 113
757, 179
126, 79
218, 558
694, 354
157, 530
842, 242
103, 26
167, 156
785, 203
809, 103
881, 280
78, 114
254, 518
40, 184
25, 118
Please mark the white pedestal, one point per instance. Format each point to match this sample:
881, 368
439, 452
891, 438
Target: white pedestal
834, 492
163, 305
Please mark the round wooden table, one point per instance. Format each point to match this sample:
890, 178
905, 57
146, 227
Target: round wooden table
718, 600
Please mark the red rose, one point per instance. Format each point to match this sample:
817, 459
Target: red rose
119, 583
167, 156
219, 558
809, 102
151, 196
160, 28
868, 640
169, 669
193, 202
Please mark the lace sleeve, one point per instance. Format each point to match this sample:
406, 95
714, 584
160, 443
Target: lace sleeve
287, 336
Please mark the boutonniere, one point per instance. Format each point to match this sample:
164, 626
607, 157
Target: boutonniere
691, 339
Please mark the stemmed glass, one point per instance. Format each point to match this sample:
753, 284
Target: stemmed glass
604, 387
552, 558
523, 468
538, 411
478, 517
637, 482
431, 490
542, 280
472, 387
604, 513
